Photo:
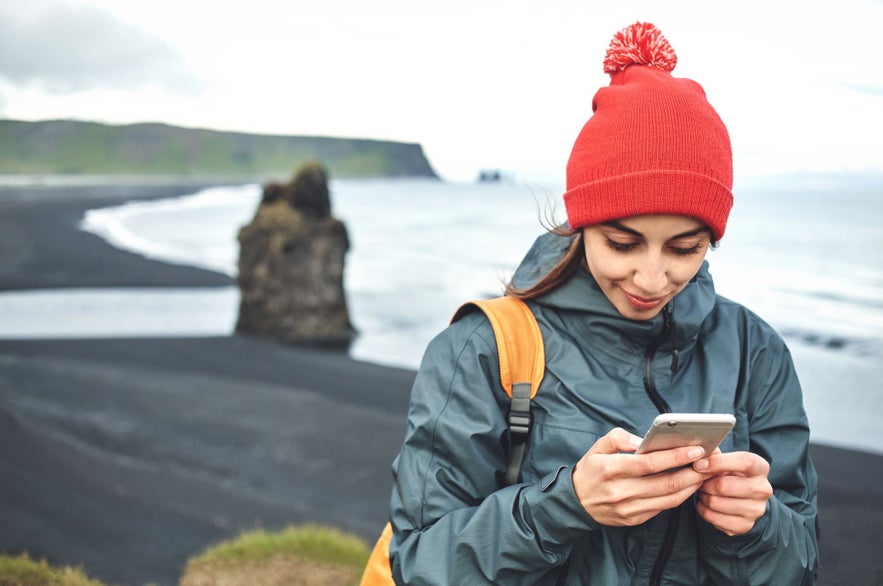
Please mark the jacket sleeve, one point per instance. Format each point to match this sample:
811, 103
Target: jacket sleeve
454, 522
782, 548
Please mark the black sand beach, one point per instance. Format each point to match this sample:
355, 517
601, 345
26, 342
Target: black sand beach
127, 456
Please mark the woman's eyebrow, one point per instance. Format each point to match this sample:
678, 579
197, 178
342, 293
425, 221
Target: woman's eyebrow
689, 233
618, 226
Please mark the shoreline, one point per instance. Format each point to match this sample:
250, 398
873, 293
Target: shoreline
41, 246
217, 435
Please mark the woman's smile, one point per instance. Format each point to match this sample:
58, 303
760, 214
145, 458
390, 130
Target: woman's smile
643, 304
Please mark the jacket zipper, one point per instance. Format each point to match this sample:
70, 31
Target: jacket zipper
668, 326
671, 531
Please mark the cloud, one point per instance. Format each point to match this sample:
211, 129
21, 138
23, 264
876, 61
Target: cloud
870, 90
64, 49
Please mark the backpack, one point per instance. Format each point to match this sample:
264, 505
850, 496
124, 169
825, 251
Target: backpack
522, 365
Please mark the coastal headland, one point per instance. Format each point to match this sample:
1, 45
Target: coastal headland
153, 149
127, 456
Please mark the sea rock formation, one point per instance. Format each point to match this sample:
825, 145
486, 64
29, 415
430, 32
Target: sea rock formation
291, 263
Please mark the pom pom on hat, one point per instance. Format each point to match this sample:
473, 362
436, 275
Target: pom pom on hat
653, 145
639, 44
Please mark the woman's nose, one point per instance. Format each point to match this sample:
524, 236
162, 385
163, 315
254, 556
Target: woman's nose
651, 276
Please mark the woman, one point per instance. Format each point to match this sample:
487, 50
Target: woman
632, 327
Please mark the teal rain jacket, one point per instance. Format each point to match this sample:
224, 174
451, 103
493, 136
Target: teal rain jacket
454, 520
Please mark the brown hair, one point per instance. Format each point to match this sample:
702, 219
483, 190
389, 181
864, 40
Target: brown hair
561, 272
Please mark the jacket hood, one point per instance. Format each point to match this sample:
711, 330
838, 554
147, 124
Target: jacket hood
581, 293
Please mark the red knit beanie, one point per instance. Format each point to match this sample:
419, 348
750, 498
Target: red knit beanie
654, 145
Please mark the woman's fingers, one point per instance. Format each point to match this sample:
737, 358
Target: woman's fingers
618, 488
736, 496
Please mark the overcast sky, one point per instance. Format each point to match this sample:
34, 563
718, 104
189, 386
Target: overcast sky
503, 84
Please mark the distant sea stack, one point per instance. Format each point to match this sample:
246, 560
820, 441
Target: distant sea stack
291, 265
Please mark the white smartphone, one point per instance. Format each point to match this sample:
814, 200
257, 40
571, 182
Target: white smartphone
675, 430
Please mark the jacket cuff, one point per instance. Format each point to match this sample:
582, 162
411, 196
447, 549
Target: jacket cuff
555, 508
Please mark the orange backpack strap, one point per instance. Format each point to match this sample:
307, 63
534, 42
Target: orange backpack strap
519, 341
522, 365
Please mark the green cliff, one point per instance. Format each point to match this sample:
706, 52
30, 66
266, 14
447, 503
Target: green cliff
89, 148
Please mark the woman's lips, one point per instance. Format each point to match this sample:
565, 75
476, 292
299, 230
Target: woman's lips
641, 303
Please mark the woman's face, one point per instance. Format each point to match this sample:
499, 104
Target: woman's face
642, 262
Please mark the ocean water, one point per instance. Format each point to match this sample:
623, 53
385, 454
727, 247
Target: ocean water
807, 257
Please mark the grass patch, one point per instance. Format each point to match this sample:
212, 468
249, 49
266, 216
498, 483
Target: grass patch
306, 555
23, 571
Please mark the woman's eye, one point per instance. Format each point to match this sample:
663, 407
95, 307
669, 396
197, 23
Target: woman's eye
686, 251
621, 246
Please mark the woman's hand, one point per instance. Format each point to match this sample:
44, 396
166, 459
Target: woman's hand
736, 495
624, 489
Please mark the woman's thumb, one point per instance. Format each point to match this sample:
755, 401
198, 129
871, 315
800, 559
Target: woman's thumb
617, 440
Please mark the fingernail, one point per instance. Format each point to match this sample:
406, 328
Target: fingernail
696, 452
700, 465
